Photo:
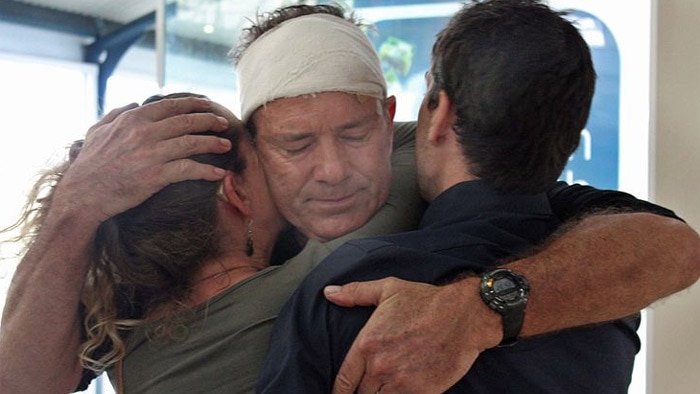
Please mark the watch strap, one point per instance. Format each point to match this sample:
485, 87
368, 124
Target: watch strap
512, 324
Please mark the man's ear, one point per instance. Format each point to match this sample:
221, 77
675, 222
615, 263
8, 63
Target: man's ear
442, 118
232, 191
390, 107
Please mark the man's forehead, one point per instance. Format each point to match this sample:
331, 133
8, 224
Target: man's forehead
334, 110
322, 98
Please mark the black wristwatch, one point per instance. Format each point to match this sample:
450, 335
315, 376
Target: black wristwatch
506, 292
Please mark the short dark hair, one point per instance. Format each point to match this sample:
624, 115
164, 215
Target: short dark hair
521, 79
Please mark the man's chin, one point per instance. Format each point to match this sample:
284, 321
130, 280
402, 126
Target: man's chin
333, 231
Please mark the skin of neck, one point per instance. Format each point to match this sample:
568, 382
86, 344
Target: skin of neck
233, 264
441, 161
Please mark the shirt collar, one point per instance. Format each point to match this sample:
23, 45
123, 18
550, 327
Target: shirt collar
472, 198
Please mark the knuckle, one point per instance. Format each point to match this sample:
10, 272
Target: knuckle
188, 142
128, 124
368, 344
392, 281
352, 287
183, 166
342, 382
170, 105
91, 131
189, 121
113, 112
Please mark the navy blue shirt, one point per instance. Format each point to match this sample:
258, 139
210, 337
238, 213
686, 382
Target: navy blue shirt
467, 228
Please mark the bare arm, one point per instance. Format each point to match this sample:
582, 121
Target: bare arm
607, 267
603, 268
127, 156
40, 331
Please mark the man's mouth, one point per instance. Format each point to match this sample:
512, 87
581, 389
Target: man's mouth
335, 203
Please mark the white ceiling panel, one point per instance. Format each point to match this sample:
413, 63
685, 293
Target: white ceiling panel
216, 21
122, 11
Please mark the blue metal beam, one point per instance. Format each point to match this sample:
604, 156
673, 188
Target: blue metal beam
108, 50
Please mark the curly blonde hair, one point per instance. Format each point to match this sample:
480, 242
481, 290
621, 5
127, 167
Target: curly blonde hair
143, 259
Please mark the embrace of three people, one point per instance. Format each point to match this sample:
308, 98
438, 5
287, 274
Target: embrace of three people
315, 245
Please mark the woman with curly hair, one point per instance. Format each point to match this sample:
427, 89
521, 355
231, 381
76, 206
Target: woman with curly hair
166, 274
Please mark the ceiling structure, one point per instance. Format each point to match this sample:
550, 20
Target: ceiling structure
213, 21
202, 29
123, 11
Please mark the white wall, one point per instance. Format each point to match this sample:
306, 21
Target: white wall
674, 343
31, 41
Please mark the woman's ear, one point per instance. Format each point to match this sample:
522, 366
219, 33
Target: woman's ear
232, 191
442, 118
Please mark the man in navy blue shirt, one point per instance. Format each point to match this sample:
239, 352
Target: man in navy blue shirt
509, 91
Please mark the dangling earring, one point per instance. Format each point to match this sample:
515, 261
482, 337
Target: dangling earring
249, 240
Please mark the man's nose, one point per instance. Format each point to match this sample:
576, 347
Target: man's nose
332, 164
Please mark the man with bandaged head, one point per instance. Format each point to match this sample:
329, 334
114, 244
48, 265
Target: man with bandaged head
314, 97
433, 333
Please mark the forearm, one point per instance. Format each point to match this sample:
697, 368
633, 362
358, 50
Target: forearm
607, 267
40, 330
602, 268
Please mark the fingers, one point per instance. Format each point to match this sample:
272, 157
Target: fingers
110, 117
116, 112
369, 385
185, 169
168, 108
177, 167
132, 131
136, 151
179, 125
350, 373
355, 375
188, 145
164, 119
176, 117
359, 293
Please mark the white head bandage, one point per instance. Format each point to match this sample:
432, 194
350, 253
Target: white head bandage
306, 55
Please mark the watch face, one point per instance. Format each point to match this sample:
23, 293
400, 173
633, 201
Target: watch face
506, 293
505, 289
